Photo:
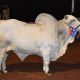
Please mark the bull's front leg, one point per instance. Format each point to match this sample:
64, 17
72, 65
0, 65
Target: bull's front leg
46, 60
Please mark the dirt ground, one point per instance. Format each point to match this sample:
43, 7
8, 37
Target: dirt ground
65, 68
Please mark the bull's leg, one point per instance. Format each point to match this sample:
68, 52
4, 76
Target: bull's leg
4, 63
2, 55
3, 47
46, 67
46, 60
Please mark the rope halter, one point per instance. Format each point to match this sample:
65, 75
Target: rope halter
72, 31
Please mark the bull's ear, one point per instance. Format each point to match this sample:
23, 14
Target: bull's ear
65, 17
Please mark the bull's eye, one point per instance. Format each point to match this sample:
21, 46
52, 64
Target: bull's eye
73, 20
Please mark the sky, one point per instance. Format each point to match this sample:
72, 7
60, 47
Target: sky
27, 10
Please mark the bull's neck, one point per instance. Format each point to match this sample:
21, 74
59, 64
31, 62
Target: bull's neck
64, 45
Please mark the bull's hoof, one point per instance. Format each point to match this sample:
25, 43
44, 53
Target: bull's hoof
49, 74
5, 71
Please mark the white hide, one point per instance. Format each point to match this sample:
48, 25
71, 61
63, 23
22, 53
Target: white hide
47, 38
27, 39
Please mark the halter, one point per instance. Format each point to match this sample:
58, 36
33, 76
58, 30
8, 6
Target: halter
73, 31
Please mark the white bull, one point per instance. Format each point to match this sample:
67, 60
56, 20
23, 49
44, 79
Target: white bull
47, 38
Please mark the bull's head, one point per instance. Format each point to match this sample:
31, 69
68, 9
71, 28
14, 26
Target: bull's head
73, 23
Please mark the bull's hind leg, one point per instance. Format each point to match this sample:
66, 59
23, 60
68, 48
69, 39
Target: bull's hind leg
4, 63
3, 57
46, 60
